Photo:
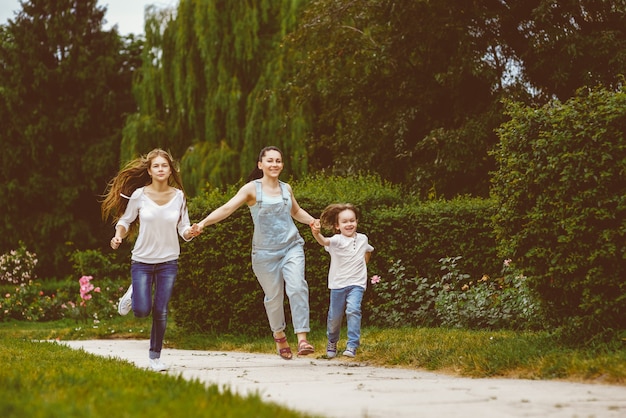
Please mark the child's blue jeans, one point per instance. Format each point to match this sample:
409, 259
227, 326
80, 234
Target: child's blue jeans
347, 299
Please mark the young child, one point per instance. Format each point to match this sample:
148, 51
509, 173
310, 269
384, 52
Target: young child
349, 252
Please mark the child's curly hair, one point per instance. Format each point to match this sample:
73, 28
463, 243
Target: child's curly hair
328, 218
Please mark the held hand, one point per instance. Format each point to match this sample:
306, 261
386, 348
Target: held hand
315, 226
195, 230
115, 242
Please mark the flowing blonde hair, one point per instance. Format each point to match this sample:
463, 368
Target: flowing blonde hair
133, 176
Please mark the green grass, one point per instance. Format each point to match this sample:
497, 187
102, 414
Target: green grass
529, 355
42, 379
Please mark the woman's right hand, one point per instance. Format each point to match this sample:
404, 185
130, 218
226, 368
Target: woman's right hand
115, 242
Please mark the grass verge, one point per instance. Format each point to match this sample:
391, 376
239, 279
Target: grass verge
527, 355
42, 379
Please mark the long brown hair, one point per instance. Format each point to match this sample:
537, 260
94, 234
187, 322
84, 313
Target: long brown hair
133, 176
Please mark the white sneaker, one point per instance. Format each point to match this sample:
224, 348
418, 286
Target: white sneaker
350, 352
157, 365
126, 302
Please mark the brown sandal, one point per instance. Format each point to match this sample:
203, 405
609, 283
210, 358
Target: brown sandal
285, 352
305, 348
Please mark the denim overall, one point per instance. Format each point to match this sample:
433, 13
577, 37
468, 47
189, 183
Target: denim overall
278, 260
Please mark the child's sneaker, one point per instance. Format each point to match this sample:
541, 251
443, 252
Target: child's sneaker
350, 352
331, 349
126, 302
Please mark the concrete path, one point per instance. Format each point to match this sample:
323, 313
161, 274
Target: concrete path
346, 388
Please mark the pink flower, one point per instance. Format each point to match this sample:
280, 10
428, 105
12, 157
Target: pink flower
507, 262
84, 280
97, 290
375, 279
85, 288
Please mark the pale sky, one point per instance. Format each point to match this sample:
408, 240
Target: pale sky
127, 14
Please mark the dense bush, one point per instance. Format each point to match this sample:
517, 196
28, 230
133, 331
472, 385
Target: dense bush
421, 233
503, 302
216, 289
562, 207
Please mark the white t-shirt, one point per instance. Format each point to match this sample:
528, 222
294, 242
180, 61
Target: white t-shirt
157, 241
347, 261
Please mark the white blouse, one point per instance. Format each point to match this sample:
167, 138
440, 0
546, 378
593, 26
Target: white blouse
158, 226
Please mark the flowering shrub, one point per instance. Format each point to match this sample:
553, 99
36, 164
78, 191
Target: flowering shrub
455, 300
17, 266
85, 294
28, 302
403, 301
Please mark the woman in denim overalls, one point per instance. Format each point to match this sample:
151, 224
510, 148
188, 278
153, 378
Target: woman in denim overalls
277, 247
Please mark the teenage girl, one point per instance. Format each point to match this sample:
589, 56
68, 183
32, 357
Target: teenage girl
149, 189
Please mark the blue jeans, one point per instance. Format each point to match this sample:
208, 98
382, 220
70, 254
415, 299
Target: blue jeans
161, 278
347, 299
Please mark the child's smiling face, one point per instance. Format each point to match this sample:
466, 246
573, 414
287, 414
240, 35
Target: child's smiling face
346, 222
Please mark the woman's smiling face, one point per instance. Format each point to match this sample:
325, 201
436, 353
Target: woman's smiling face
271, 164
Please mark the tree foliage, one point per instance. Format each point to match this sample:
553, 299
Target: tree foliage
412, 90
566, 45
403, 89
409, 90
64, 88
210, 89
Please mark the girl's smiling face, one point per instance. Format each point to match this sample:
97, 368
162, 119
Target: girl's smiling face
271, 164
346, 223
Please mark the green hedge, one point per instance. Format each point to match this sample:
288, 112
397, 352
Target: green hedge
216, 288
562, 207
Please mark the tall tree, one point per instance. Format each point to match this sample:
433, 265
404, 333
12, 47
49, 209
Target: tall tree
64, 90
409, 90
210, 89
412, 90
